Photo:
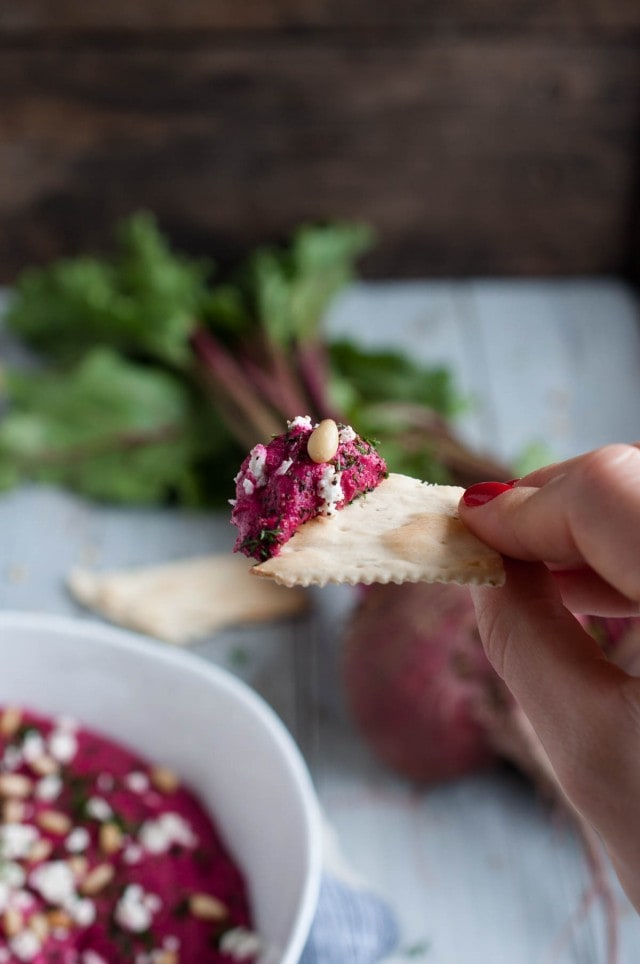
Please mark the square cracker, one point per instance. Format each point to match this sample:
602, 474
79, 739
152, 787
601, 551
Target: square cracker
403, 531
183, 600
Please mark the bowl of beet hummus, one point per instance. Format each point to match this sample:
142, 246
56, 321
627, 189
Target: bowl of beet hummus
153, 808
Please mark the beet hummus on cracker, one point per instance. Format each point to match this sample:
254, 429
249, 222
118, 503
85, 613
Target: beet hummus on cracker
106, 858
311, 470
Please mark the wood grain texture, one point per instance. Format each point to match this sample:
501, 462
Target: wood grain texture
572, 17
505, 155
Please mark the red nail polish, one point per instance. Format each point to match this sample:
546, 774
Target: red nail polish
483, 492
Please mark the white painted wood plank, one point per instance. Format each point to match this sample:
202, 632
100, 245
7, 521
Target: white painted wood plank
562, 361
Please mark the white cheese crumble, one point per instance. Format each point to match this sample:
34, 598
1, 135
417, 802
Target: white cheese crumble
92, 957
63, 745
54, 881
26, 945
330, 490
248, 486
301, 421
33, 746
346, 434
99, 809
83, 911
240, 943
78, 840
284, 467
16, 840
13, 875
134, 911
132, 854
137, 781
158, 836
48, 788
257, 460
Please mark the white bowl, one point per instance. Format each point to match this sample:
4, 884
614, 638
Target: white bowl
221, 737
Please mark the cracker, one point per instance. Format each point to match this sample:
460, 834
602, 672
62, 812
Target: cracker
403, 531
184, 600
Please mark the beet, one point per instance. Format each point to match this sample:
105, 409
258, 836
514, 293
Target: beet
416, 678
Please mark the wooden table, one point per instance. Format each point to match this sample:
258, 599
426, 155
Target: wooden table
478, 871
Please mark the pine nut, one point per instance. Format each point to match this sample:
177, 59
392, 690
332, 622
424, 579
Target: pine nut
10, 720
97, 879
12, 922
15, 785
79, 865
39, 924
323, 442
165, 957
110, 837
54, 821
164, 779
59, 918
41, 850
206, 907
44, 766
13, 811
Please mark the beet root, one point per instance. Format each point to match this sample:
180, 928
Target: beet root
416, 676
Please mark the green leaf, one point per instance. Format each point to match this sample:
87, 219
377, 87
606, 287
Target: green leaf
288, 290
143, 300
385, 376
109, 429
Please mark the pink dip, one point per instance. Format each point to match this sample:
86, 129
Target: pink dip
279, 487
73, 802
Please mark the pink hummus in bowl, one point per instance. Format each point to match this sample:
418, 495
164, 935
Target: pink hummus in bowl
154, 809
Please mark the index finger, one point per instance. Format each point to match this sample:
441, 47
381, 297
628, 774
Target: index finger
587, 514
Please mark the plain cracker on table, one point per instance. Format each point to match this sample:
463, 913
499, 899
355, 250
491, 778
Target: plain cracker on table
184, 600
405, 530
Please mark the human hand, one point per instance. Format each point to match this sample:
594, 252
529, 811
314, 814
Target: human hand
571, 535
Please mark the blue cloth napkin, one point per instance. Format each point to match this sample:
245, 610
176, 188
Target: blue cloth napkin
351, 926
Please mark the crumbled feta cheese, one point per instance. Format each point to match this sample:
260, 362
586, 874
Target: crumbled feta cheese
26, 945
99, 809
16, 840
137, 781
78, 840
22, 899
63, 745
257, 460
158, 835
132, 854
54, 881
171, 942
248, 486
330, 490
240, 943
300, 421
284, 467
48, 788
132, 910
12, 874
33, 746
83, 911
346, 434
92, 957
232, 502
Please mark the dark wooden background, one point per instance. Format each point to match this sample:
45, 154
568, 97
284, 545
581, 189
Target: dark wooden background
478, 136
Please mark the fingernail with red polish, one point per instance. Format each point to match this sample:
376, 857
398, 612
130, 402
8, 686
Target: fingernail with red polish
483, 492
